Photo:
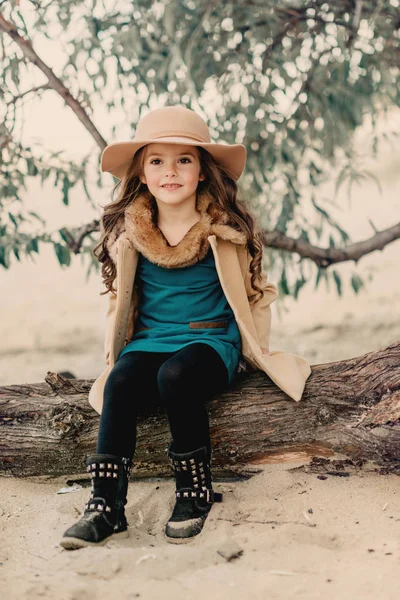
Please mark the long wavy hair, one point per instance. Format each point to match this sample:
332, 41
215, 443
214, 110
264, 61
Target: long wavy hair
217, 184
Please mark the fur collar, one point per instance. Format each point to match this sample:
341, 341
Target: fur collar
140, 228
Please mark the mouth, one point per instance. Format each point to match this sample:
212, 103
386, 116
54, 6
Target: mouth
171, 186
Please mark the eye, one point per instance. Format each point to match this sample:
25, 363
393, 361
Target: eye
156, 161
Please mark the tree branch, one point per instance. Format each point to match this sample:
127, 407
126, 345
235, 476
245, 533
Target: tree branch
54, 82
324, 257
355, 23
75, 239
351, 407
45, 86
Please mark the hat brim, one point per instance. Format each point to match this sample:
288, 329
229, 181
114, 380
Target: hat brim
116, 158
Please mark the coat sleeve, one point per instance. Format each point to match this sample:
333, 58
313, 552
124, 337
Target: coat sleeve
261, 309
110, 318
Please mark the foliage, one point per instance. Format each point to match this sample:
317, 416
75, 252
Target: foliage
290, 80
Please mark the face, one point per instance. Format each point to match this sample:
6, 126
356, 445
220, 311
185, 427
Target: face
171, 172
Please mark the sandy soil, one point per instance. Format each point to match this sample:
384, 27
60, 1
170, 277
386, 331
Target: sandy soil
295, 536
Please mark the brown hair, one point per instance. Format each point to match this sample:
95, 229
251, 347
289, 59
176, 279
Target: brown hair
217, 184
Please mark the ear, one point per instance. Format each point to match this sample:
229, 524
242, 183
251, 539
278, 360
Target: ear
201, 177
142, 178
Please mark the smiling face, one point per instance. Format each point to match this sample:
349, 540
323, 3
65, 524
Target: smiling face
171, 172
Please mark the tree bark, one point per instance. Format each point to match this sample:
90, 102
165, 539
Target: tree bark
350, 407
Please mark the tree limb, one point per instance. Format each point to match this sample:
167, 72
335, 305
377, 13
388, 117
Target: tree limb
323, 257
45, 86
54, 82
75, 239
351, 407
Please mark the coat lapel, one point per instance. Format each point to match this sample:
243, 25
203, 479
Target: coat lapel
287, 371
127, 260
231, 279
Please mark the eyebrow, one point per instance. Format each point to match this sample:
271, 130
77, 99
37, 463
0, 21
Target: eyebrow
180, 154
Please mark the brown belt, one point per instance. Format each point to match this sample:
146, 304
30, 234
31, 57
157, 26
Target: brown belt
198, 325
207, 324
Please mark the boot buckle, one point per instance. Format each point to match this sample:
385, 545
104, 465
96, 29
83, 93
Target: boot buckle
212, 496
98, 505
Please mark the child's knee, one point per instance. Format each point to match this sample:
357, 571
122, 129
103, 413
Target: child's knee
171, 375
117, 381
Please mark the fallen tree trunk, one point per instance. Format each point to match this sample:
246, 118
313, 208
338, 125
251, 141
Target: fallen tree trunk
351, 407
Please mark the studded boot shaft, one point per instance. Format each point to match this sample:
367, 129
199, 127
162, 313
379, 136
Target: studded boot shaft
104, 514
194, 493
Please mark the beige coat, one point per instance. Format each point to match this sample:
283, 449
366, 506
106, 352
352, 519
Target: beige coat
232, 260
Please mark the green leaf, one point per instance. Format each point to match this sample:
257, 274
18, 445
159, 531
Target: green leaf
36, 216
66, 186
341, 178
321, 274
32, 168
338, 282
304, 235
44, 174
63, 254
16, 252
13, 219
3, 257
356, 283
298, 285
62, 233
345, 237
372, 225
86, 190
284, 284
320, 210
32, 246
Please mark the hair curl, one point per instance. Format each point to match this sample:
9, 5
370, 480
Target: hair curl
217, 183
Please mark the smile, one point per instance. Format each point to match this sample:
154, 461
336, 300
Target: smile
171, 186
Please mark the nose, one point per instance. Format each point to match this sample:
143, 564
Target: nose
170, 170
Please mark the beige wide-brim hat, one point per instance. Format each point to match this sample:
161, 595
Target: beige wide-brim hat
173, 125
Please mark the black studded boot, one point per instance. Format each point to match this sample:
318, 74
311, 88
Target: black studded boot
194, 494
104, 515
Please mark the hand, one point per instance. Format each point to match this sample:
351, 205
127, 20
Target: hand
265, 351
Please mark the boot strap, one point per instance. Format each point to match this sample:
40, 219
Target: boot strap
97, 504
207, 494
107, 468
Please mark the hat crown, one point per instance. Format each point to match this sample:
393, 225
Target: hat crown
172, 121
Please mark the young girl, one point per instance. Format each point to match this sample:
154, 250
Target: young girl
189, 307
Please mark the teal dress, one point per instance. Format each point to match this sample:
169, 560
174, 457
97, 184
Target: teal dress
176, 307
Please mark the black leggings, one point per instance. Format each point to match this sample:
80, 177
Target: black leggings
179, 382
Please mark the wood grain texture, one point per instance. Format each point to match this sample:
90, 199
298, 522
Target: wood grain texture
351, 407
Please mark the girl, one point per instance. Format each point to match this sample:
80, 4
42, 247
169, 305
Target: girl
189, 307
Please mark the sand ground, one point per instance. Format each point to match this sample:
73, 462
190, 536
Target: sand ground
293, 535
